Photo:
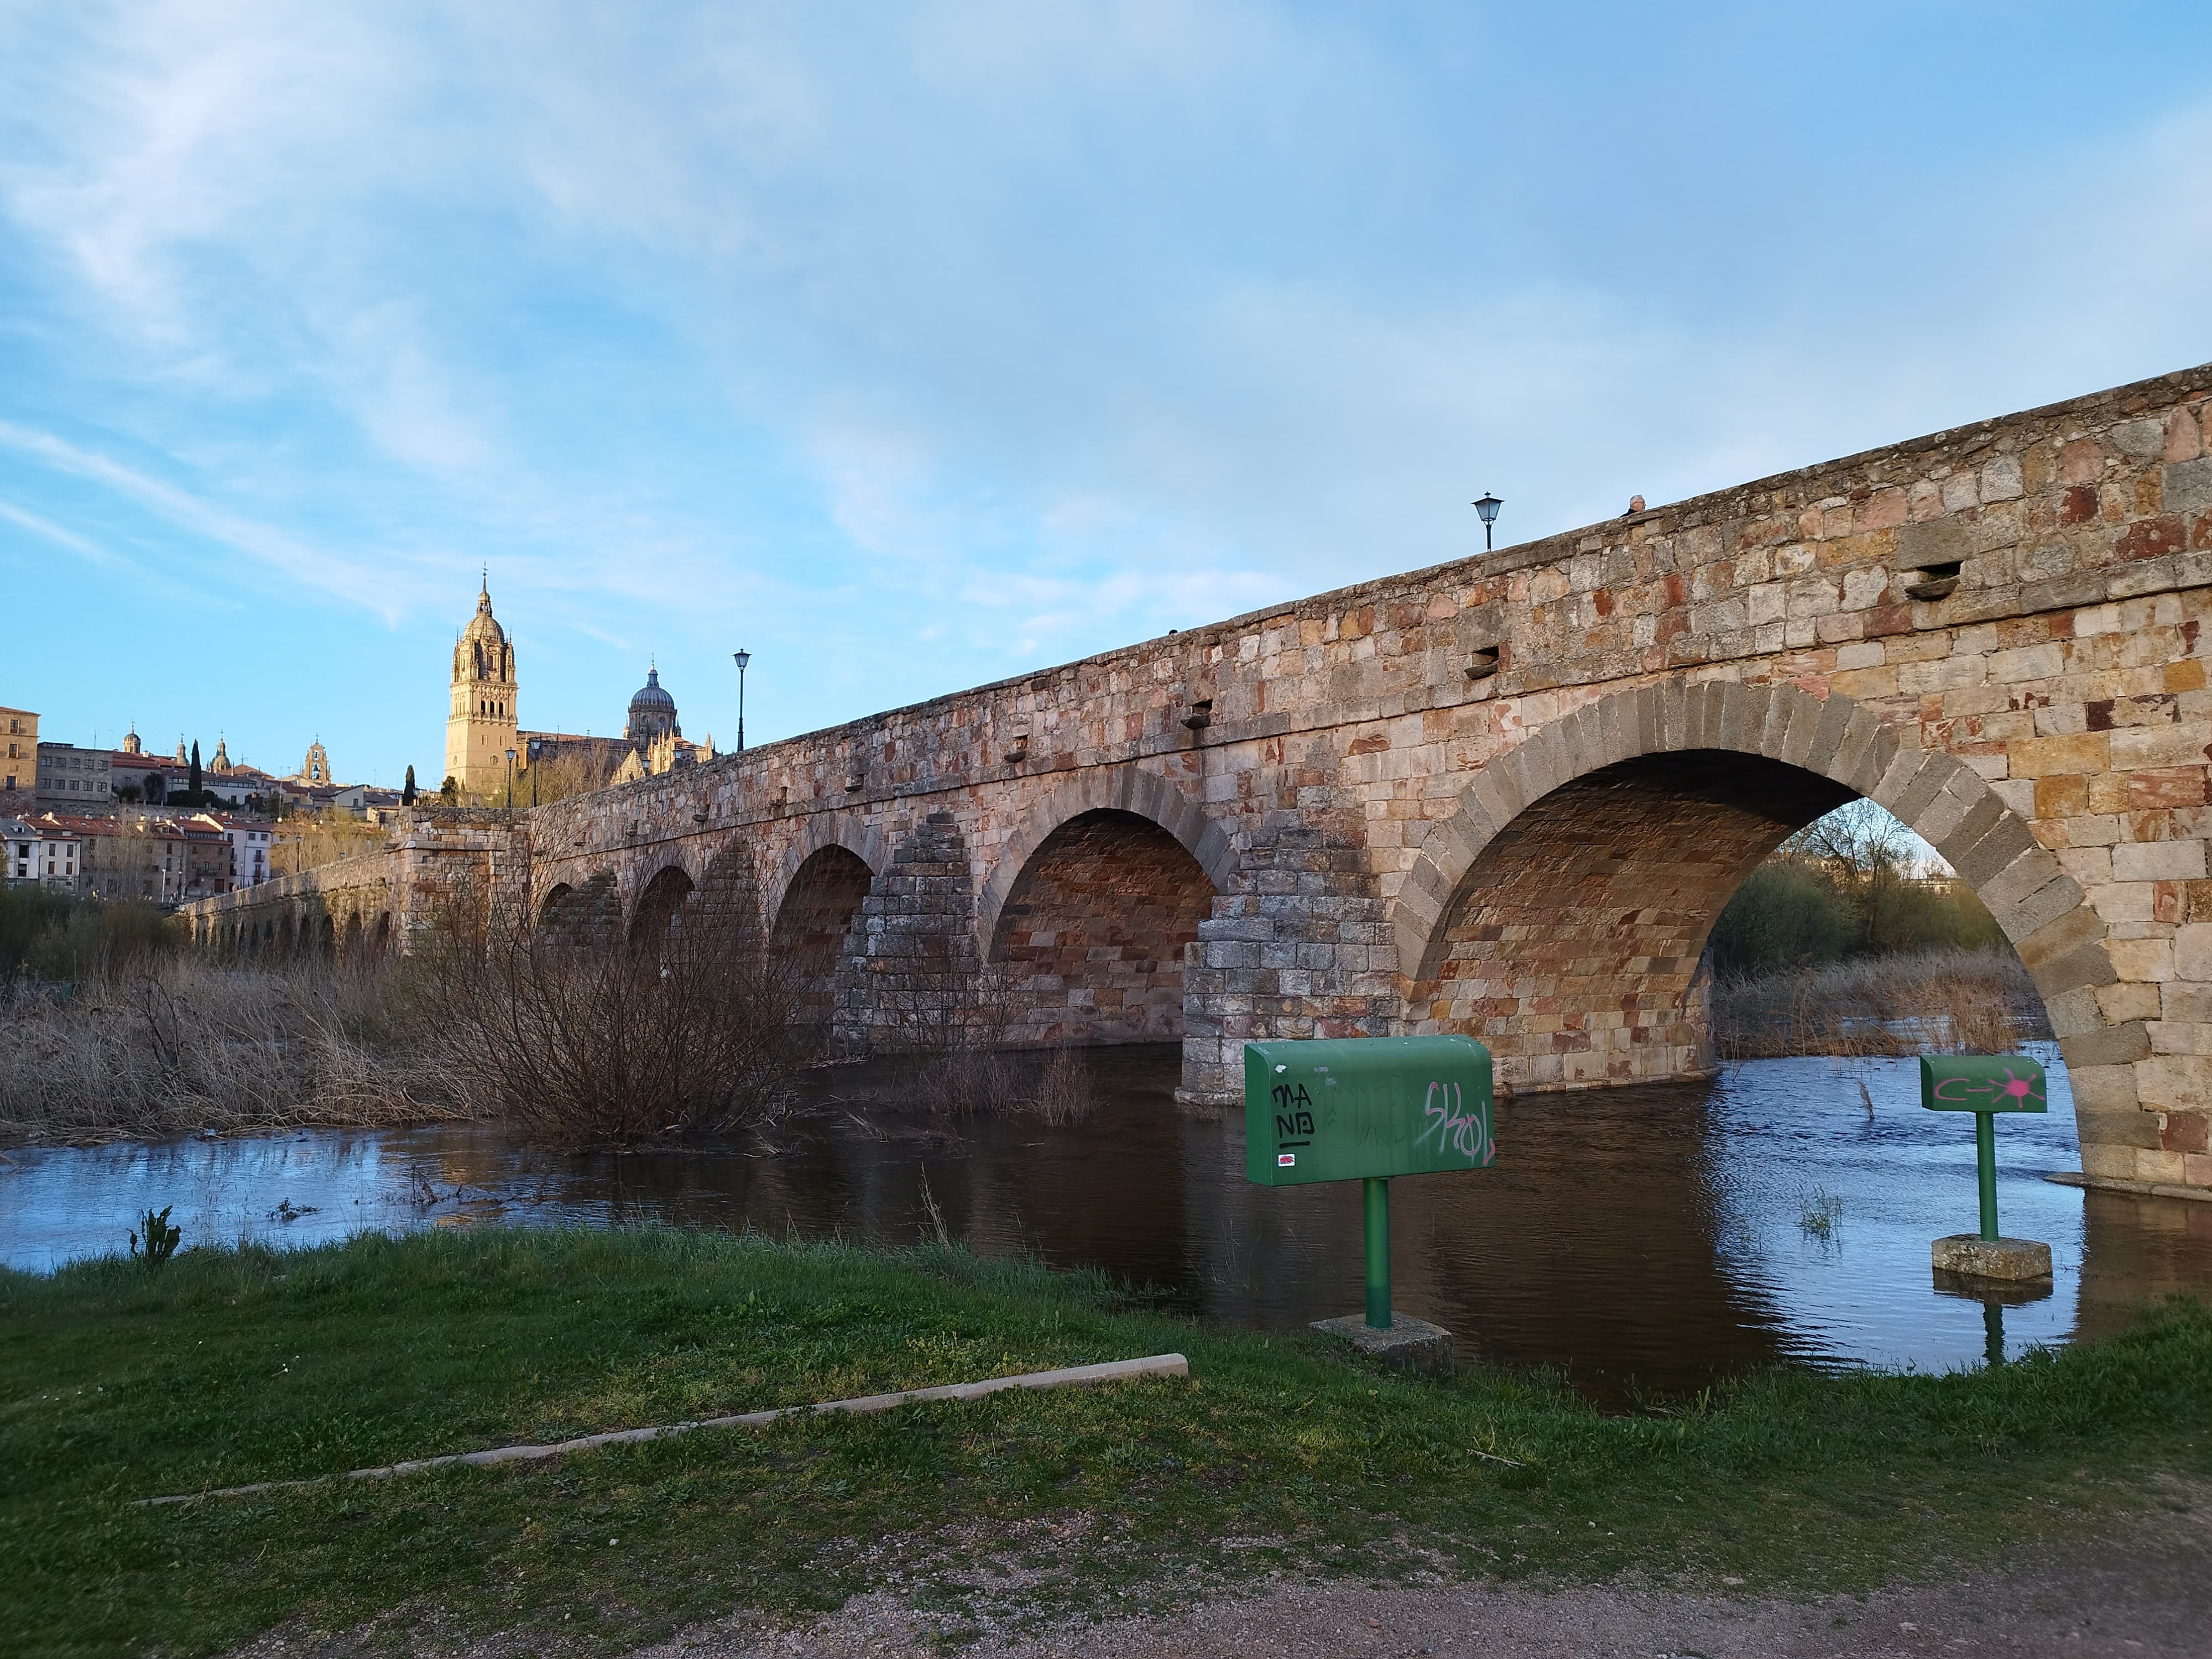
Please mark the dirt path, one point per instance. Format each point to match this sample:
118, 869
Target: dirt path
2148, 1601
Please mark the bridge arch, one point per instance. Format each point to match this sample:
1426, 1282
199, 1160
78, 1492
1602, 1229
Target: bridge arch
824, 831
818, 900
1564, 906
662, 897
553, 907
1125, 789
1084, 942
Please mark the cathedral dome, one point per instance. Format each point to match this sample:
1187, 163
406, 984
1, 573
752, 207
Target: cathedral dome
652, 712
651, 699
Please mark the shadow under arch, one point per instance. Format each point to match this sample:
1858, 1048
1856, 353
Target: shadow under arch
552, 909
1126, 789
1088, 945
820, 901
664, 896
1567, 899
824, 831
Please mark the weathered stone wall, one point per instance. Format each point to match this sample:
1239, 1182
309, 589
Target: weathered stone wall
1509, 794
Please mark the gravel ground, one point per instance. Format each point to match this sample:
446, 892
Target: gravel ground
2157, 1602
2146, 1596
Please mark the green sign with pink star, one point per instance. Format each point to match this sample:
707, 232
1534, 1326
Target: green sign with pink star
1981, 1083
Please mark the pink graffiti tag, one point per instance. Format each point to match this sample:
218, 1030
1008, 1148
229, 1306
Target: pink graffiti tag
1962, 1090
1452, 1123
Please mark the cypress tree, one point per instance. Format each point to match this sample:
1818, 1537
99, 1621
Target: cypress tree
194, 777
407, 789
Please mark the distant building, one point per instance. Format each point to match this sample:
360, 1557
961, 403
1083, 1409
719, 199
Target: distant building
19, 733
656, 740
480, 704
136, 855
481, 726
134, 776
73, 778
37, 854
250, 843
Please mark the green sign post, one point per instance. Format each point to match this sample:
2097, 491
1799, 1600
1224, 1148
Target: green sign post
1985, 1084
1366, 1108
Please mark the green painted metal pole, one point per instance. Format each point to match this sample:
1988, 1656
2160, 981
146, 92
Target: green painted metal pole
1986, 1169
1377, 1203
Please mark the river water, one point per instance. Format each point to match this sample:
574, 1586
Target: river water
1638, 1239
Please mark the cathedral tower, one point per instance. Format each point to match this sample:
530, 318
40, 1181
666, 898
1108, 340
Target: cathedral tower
480, 720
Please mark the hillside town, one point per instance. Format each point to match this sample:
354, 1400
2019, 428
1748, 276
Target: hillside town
124, 823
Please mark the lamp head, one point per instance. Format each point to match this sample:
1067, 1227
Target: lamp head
1488, 506
741, 658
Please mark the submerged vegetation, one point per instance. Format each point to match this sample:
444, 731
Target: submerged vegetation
1278, 1455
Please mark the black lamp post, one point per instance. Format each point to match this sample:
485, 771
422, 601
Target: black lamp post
741, 658
534, 771
1488, 506
510, 780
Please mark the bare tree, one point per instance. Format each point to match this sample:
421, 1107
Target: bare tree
688, 1033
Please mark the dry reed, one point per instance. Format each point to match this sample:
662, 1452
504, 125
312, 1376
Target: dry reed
1927, 1002
189, 1043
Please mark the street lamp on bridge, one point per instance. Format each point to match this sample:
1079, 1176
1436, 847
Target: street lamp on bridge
741, 658
1488, 506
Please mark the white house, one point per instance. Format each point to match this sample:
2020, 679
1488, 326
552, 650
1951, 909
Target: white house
37, 854
250, 847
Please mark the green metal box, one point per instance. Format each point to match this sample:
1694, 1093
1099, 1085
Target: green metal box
1344, 1109
1981, 1083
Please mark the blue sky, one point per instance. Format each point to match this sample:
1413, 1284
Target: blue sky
911, 347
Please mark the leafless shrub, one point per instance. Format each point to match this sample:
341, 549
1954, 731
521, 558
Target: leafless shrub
186, 1042
1931, 1002
953, 1018
689, 1033
1063, 1093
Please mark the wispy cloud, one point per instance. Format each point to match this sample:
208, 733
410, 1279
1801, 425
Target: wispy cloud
82, 546
312, 567
926, 343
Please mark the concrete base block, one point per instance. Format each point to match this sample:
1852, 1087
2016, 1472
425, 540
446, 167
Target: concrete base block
1410, 1343
1972, 1256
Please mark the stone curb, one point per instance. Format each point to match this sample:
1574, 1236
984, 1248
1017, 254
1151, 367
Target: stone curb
2137, 1189
1112, 1370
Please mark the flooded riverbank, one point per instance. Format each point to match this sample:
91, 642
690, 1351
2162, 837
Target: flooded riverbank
1647, 1238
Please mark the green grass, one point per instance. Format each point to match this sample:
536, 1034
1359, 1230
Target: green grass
1280, 1455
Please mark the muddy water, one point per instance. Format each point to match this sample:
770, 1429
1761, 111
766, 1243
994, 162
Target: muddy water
1650, 1238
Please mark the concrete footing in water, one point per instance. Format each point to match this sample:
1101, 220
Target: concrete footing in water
1410, 1343
1972, 1256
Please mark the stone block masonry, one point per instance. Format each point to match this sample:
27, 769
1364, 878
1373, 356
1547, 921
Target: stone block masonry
1506, 795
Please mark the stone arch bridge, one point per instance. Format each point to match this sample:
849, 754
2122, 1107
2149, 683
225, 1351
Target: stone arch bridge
1505, 796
